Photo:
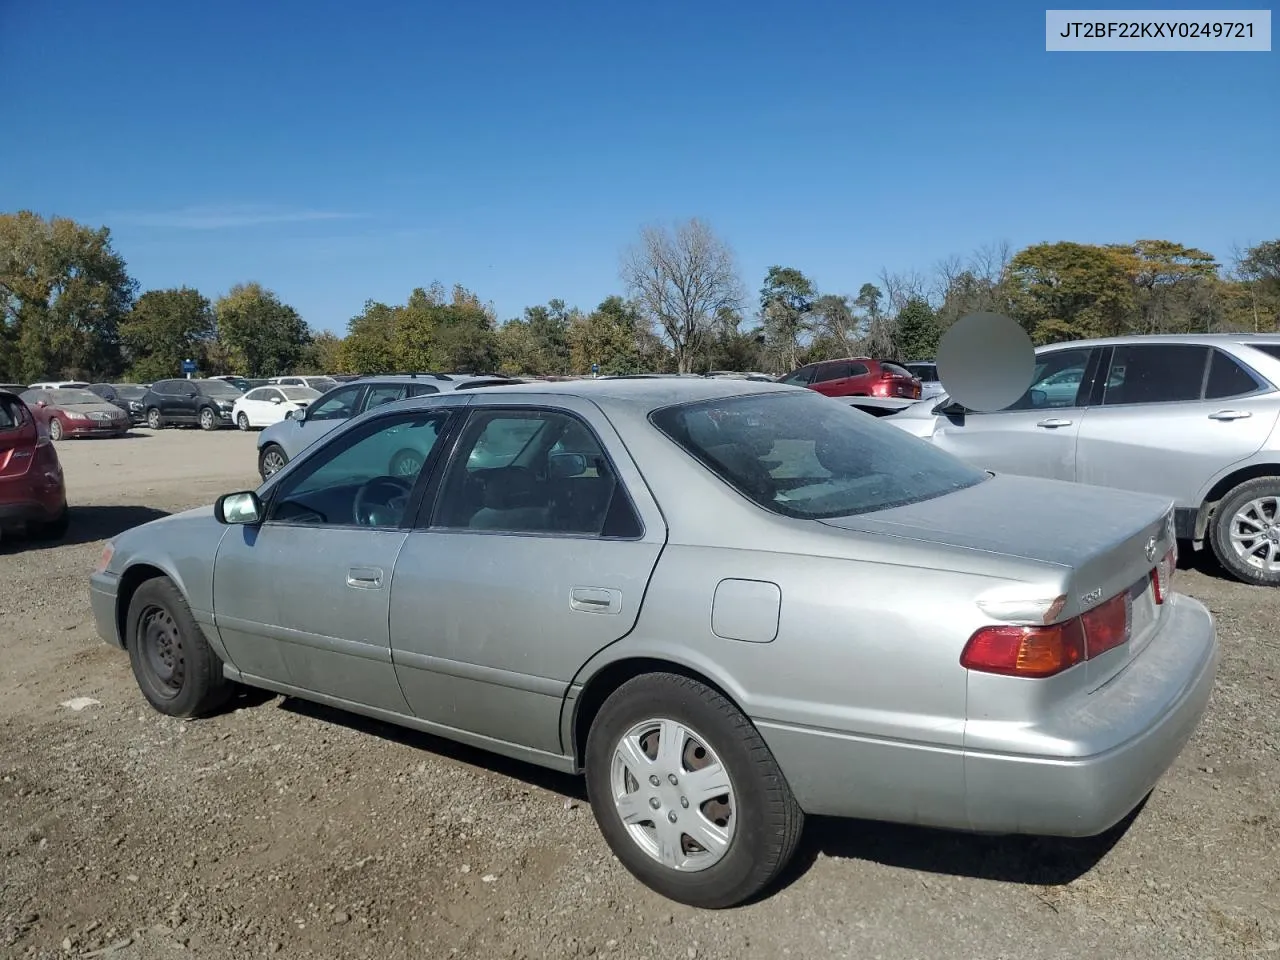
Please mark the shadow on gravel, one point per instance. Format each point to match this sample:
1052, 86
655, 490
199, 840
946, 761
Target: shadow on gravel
87, 525
1041, 861
1201, 561
529, 773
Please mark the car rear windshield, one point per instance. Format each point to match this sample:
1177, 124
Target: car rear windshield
219, 388
805, 456
925, 371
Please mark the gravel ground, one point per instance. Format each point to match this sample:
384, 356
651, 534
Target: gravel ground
290, 830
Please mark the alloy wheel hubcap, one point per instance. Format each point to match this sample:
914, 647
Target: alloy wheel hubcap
1255, 534
673, 794
271, 463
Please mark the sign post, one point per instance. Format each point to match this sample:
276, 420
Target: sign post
595, 369
188, 368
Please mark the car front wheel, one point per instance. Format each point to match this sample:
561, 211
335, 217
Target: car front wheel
55, 430
687, 793
154, 420
208, 419
1246, 532
242, 421
176, 669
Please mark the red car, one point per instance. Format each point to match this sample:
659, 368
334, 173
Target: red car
33, 495
857, 377
76, 412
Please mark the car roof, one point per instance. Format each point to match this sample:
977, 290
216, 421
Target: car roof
1193, 338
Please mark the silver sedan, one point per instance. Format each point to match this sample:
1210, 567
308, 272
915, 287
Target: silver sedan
728, 603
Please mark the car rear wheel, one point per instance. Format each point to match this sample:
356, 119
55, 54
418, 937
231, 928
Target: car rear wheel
55, 430
271, 460
176, 669
1246, 532
208, 419
242, 421
687, 793
154, 420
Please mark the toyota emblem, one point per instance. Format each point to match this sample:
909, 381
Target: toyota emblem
1151, 549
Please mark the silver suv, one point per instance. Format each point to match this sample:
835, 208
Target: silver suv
281, 442
1190, 417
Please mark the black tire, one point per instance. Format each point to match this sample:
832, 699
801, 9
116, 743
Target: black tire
54, 529
267, 456
1225, 520
208, 418
767, 820
55, 430
176, 669
407, 464
242, 421
154, 420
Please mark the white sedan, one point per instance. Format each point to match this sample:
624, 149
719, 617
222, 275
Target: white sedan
263, 406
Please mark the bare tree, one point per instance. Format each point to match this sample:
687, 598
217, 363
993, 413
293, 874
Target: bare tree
684, 278
902, 287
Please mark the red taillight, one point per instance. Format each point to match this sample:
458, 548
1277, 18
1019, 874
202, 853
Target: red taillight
1025, 651
1162, 575
1049, 650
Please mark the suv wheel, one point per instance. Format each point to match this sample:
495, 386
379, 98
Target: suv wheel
208, 419
154, 420
1245, 535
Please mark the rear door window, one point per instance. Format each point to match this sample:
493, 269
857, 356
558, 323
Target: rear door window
11, 414
384, 393
1227, 378
896, 370
1155, 373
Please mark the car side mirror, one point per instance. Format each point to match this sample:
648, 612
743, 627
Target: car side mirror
42, 404
950, 408
276, 400
238, 508
562, 466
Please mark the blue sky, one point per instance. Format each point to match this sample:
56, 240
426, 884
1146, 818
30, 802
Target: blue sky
342, 152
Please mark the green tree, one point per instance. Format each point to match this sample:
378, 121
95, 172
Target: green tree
369, 344
613, 335
63, 292
917, 331
1259, 270
325, 354
1066, 291
269, 335
786, 305
164, 328
432, 333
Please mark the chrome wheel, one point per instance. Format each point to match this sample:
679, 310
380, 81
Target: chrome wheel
673, 794
1255, 534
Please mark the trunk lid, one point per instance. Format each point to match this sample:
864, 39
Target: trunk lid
1108, 539
18, 437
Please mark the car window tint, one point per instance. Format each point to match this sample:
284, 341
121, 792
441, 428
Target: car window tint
831, 371
802, 456
1271, 349
857, 369
422, 389
896, 370
1227, 378
384, 393
256, 394
1155, 373
927, 372
10, 415
1055, 381
534, 472
339, 405
362, 481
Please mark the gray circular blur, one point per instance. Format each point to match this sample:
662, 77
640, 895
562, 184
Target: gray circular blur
985, 362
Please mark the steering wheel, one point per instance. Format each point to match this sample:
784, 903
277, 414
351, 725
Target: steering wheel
386, 493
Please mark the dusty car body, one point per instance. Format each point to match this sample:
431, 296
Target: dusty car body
730, 604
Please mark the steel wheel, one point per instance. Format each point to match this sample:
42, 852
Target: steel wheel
673, 794
242, 421
1254, 533
163, 649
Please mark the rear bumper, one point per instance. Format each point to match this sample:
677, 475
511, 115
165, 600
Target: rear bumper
1117, 744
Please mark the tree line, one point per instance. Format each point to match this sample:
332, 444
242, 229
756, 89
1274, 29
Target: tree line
70, 309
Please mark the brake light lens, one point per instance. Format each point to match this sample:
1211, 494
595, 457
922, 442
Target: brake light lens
1162, 575
1035, 651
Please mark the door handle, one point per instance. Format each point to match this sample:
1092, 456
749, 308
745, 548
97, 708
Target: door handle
364, 578
595, 600
1230, 415
1052, 423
